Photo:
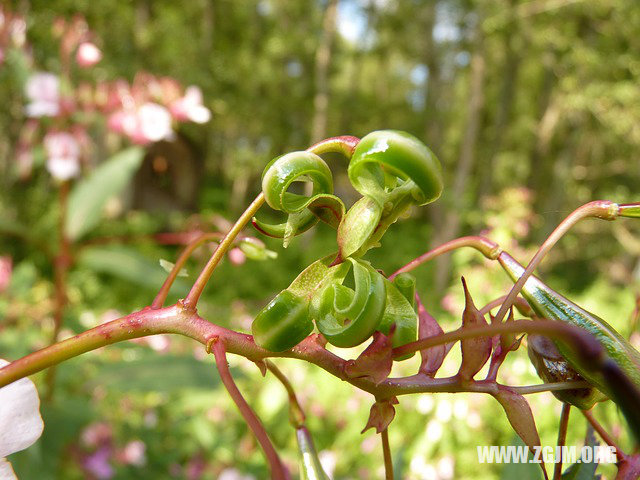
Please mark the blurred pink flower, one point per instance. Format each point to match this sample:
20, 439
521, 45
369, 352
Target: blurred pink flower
124, 122
43, 90
20, 421
134, 453
190, 107
150, 123
236, 256
6, 267
88, 55
99, 433
63, 155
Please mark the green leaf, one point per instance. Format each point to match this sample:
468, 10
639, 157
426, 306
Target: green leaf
581, 471
127, 264
167, 266
89, 195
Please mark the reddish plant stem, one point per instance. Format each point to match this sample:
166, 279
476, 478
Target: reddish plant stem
345, 145
578, 338
562, 438
600, 209
158, 302
488, 248
61, 264
386, 452
191, 301
278, 470
608, 439
520, 303
175, 319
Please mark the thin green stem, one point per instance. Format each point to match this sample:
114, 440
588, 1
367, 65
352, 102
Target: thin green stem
278, 470
386, 452
161, 297
562, 438
630, 210
551, 387
191, 301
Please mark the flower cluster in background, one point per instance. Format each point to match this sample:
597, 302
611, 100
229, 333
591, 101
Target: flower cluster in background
61, 107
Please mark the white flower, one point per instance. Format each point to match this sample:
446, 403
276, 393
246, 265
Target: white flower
63, 155
154, 123
190, 107
88, 55
20, 421
43, 90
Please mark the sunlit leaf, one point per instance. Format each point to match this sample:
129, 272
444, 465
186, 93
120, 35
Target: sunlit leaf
90, 195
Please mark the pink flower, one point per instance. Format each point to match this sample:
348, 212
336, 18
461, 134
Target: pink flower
154, 123
124, 122
134, 453
190, 107
6, 267
43, 90
63, 155
88, 55
236, 256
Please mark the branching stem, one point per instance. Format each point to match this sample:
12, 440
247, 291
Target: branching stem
182, 259
278, 470
600, 208
191, 301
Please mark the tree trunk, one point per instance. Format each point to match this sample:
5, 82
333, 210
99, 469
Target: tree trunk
507, 95
452, 220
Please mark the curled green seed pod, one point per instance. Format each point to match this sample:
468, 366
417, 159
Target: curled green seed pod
552, 367
406, 285
384, 158
304, 212
348, 317
283, 323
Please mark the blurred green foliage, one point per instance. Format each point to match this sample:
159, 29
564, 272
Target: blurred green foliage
532, 109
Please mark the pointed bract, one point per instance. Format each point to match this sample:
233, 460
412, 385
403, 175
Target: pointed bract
475, 351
